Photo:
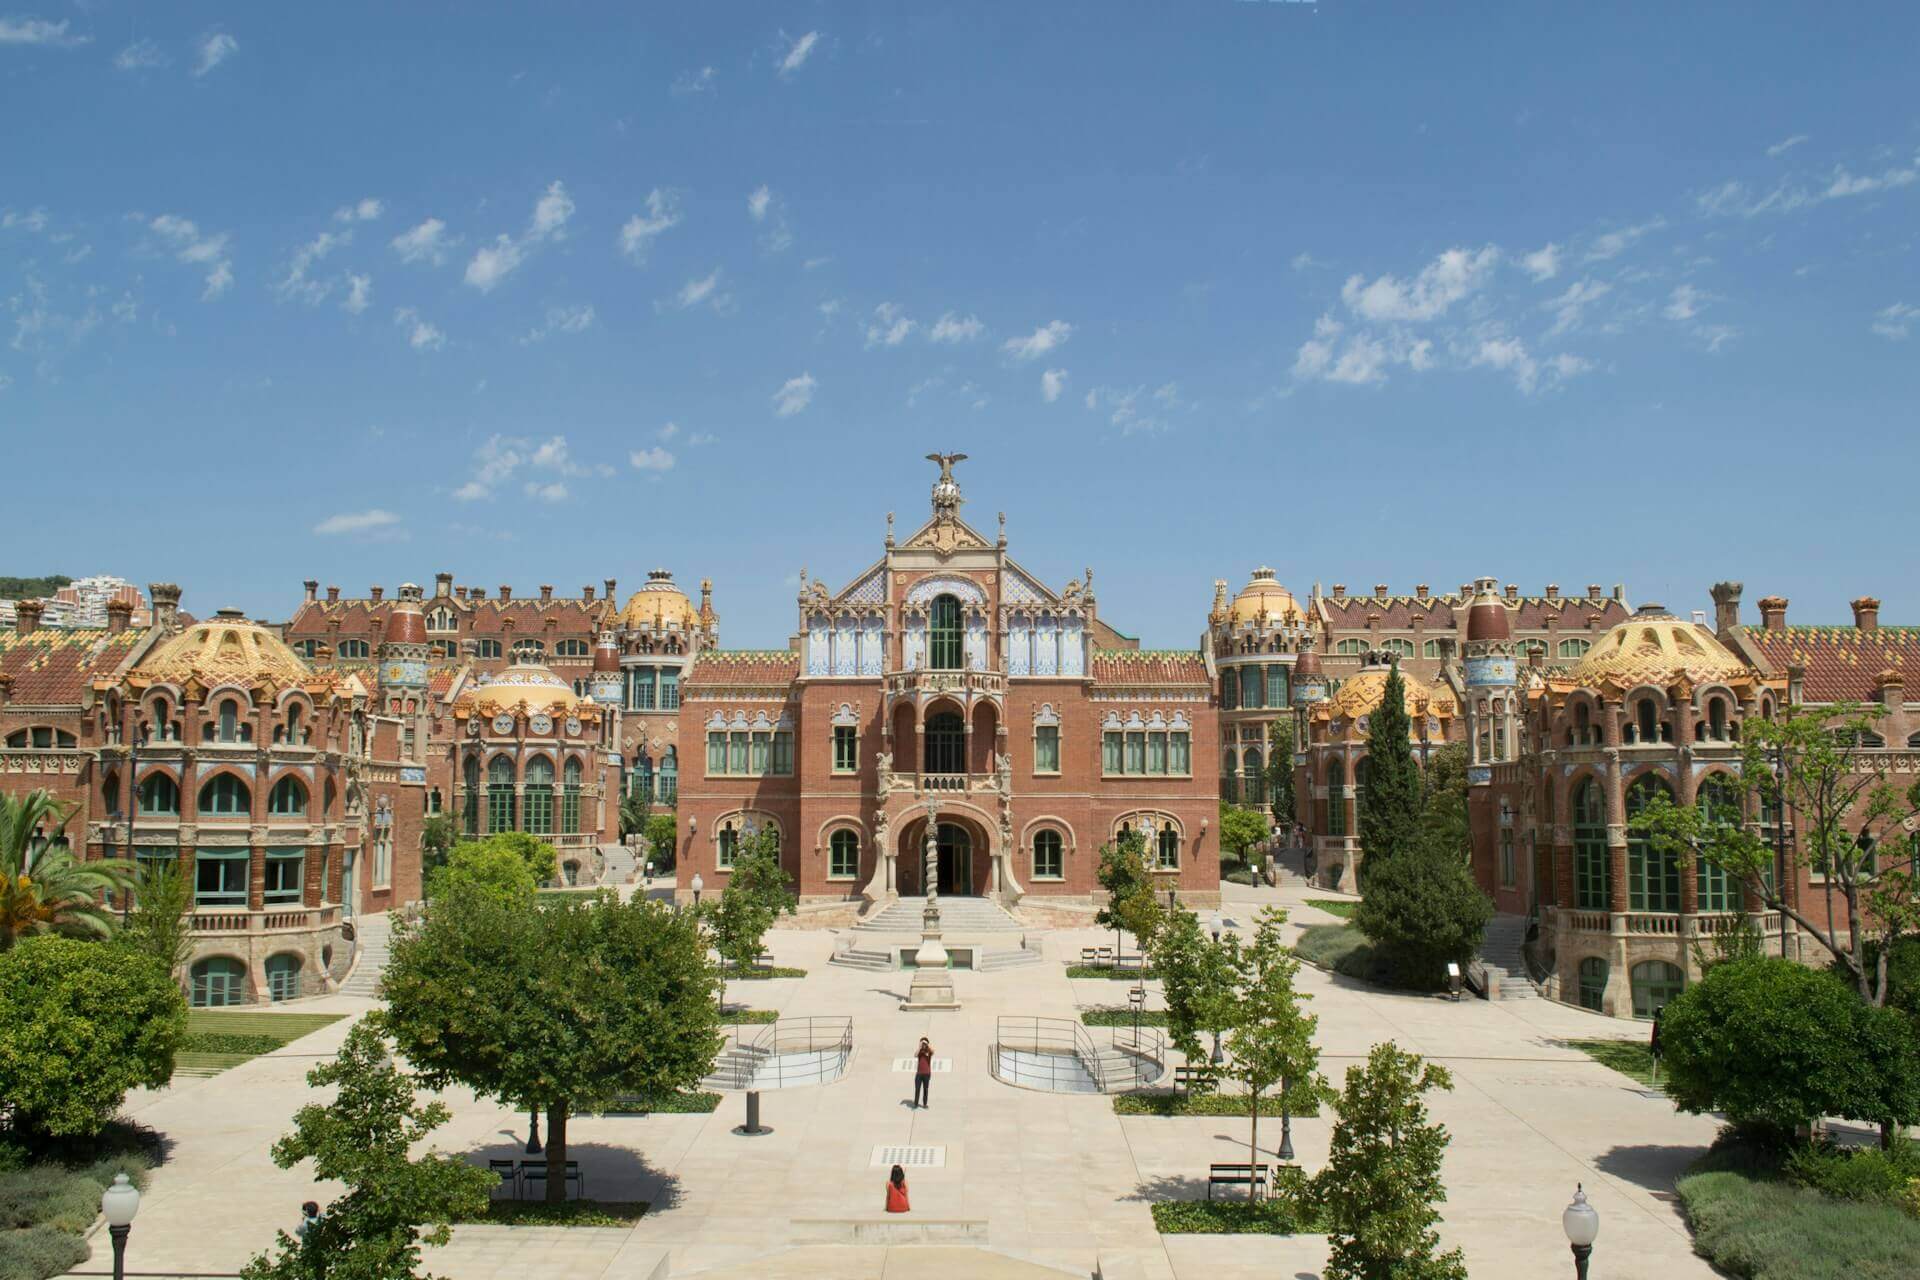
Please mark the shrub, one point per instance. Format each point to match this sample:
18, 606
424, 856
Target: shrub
1338, 947
496, 869
1866, 1174
567, 1213
39, 1252
1421, 910
1272, 1217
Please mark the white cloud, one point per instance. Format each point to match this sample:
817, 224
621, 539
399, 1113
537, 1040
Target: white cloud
794, 395
1542, 264
1738, 200
704, 289
764, 207
692, 82
1715, 336
215, 48
798, 54
427, 242
365, 210
297, 285
1360, 360
1052, 383
890, 326
575, 319
501, 457
655, 459
1570, 307
1509, 355
669, 431
1446, 280
1895, 323
759, 201
356, 522
39, 31
1134, 409
421, 335
548, 490
1786, 144
34, 220
140, 55
1304, 261
493, 263
1685, 302
1042, 340
359, 294
951, 327
663, 214
1615, 243
190, 246
1844, 184
551, 212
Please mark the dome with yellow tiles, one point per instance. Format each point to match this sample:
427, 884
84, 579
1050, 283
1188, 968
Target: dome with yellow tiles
526, 682
659, 605
226, 649
1361, 695
1654, 647
1262, 595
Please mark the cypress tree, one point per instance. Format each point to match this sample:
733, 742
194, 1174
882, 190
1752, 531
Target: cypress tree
1390, 803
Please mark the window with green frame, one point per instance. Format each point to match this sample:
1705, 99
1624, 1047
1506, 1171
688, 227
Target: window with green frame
1253, 687
283, 976
1253, 769
288, 799
220, 877
538, 793
1110, 751
640, 689
218, 981
1432, 649
570, 798
1047, 862
1157, 752
1229, 690
1719, 804
470, 804
500, 805
846, 748
669, 688
225, 794
1653, 875
1336, 798
1591, 865
1278, 695
843, 855
944, 639
1046, 748
1352, 645
159, 794
1654, 983
286, 876
1167, 855
1593, 982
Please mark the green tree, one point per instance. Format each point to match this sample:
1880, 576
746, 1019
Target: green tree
32, 588
1240, 829
43, 887
1270, 1036
1443, 809
663, 840
80, 1024
1421, 910
541, 859
1198, 979
437, 837
757, 894
1382, 1178
634, 810
159, 925
362, 1140
1390, 801
491, 867
577, 1001
1280, 771
1130, 901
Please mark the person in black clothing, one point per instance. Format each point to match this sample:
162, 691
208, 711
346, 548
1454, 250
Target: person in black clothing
922, 1072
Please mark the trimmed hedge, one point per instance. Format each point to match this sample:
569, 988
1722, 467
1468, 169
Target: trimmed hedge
1106, 971
567, 1213
1208, 1104
1122, 1017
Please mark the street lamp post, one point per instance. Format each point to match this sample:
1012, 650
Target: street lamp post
1216, 926
1137, 997
1581, 1222
697, 885
533, 1129
1286, 1124
118, 1204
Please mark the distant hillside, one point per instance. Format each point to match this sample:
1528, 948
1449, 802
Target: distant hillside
32, 588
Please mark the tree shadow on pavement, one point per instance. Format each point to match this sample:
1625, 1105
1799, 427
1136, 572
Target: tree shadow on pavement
608, 1172
1652, 1167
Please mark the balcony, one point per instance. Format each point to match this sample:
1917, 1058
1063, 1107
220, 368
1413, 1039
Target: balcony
1662, 924
291, 918
989, 684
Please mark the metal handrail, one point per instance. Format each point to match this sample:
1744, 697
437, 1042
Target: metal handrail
771, 1045
1146, 1047
1054, 1038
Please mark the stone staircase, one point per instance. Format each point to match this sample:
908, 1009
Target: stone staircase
372, 934
619, 864
1007, 958
1501, 953
735, 1068
959, 918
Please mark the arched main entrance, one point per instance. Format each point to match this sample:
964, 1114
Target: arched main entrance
963, 860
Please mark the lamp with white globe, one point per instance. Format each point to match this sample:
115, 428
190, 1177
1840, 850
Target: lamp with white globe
1581, 1222
118, 1204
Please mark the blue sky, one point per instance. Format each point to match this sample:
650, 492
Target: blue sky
1367, 292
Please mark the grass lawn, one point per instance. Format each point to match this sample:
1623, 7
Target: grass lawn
1631, 1058
776, 971
1206, 1104
1749, 1221
1123, 1017
1106, 971
695, 1103
1339, 947
567, 1213
222, 1038
1342, 907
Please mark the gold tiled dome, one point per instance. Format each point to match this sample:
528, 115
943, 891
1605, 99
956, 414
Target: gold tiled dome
659, 604
1262, 595
1654, 647
226, 649
529, 682
1361, 695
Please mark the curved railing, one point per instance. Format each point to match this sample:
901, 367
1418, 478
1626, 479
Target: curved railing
784, 1055
1060, 1055
1143, 1061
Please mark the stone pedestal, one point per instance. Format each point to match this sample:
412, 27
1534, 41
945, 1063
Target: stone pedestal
932, 986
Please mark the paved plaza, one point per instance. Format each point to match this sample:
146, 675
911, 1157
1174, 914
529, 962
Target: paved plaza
1058, 1181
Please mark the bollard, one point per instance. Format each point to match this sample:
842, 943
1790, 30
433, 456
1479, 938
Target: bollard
752, 1128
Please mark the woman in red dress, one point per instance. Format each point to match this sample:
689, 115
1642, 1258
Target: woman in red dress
897, 1191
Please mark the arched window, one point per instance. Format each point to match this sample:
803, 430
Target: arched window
1432, 649
843, 855
288, 799
1717, 719
159, 726
539, 797
1593, 982
110, 793
441, 619
486, 648
1048, 864
668, 787
944, 639
229, 721
640, 782
1719, 804
1397, 647
1336, 798
573, 648
283, 976
218, 981
570, 797
225, 794
528, 647
729, 846
159, 794
1352, 645
1654, 983
500, 806
946, 741
295, 734
353, 649
1592, 870
1575, 648
1253, 687
1653, 875
1168, 858
1583, 734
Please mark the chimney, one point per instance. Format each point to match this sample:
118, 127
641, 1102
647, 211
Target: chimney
1380, 590
443, 584
586, 593
1536, 658
375, 593
706, 599
1421, 591
1513, 591
333, 595
1593, 591
1866, 613
166, 603
1620, 592
1726, 606
312, 589
6, 688
546, 593
506, 592
1892, 686
1466, 591
1773, 613
119, 616
610, 585
1553, 591
1796, 679
1339, 591
26, 619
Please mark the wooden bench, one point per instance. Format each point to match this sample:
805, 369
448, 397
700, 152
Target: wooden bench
1096, 955
1236, 1175
1187, 1077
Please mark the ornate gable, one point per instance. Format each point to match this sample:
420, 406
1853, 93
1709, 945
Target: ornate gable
946, 534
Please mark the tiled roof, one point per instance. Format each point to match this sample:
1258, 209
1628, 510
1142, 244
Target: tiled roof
359, 617
1841, 662
1149, 666
1448, 612
776, 667
440, 679
55, 665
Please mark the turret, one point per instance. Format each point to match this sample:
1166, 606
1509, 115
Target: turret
403, 646
606, 680
1309, 681
1490, 677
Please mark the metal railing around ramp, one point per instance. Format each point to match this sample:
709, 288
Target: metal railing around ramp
1060, 1055
786, 1054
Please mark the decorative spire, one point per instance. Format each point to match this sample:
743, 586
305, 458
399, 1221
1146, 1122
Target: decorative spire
946, 491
